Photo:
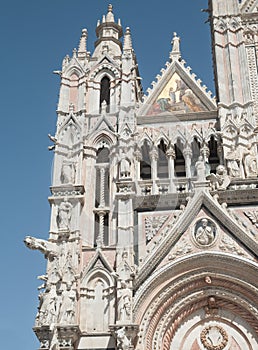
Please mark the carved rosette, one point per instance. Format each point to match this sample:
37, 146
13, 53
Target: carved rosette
214, 338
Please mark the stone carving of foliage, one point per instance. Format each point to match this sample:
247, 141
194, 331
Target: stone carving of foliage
228, 244
153, 224
181, 248
214, 338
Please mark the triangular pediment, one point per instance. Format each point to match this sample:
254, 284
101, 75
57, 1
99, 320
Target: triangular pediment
98, 262
184, 234
177, 91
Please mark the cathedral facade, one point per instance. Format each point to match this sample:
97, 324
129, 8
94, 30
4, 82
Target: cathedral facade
153, 240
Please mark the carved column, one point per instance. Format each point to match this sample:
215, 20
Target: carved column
187, 153
102, 188
100, 238
154, 173
138, 158
171, 155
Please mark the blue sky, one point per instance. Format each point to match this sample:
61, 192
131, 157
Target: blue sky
35, 36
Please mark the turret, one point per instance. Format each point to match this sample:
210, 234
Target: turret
108, 33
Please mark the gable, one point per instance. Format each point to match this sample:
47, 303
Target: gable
176, 96
177, 91
178, 236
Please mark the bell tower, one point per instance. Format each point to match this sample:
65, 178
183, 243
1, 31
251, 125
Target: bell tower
153, 227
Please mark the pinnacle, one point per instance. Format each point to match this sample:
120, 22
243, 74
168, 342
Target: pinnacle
110, 15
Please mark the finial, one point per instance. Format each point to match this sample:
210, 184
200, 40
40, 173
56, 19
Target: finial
74, 53
127, 39
175, 53
110, 16
82, 46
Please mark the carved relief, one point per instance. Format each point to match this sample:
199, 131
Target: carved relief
228, 244
204, 232
68, 172
181, 248
153, 224
214, 338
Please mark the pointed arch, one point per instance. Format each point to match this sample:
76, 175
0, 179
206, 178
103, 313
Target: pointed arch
97, 302
186, 292
105, 92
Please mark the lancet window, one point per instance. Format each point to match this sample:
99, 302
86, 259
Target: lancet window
145, 165
214, 156
105, 92
162, 160
179, 160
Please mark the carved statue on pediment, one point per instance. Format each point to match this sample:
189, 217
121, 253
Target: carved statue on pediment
64, 215
68, 172
220, 180
43, 246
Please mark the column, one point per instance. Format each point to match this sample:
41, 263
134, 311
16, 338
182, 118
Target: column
171, 155
154, 161
187, 153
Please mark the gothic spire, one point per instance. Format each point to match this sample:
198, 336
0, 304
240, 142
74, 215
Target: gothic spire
127, 40
82, 50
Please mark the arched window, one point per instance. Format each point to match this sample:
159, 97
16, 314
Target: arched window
213, 157
180, 160
105, 92
162, 161
145, 167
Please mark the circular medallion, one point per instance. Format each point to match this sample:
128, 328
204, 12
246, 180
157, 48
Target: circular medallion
214, 338
204, 232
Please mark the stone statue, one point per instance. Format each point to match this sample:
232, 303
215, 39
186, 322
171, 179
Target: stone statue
124, 166
64, 215
43, 246
250, 163
67, 311
233, 158
68, 172
204, 234
220, 180
176, 43
124, 303
48, 307
201, 170
123, 342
